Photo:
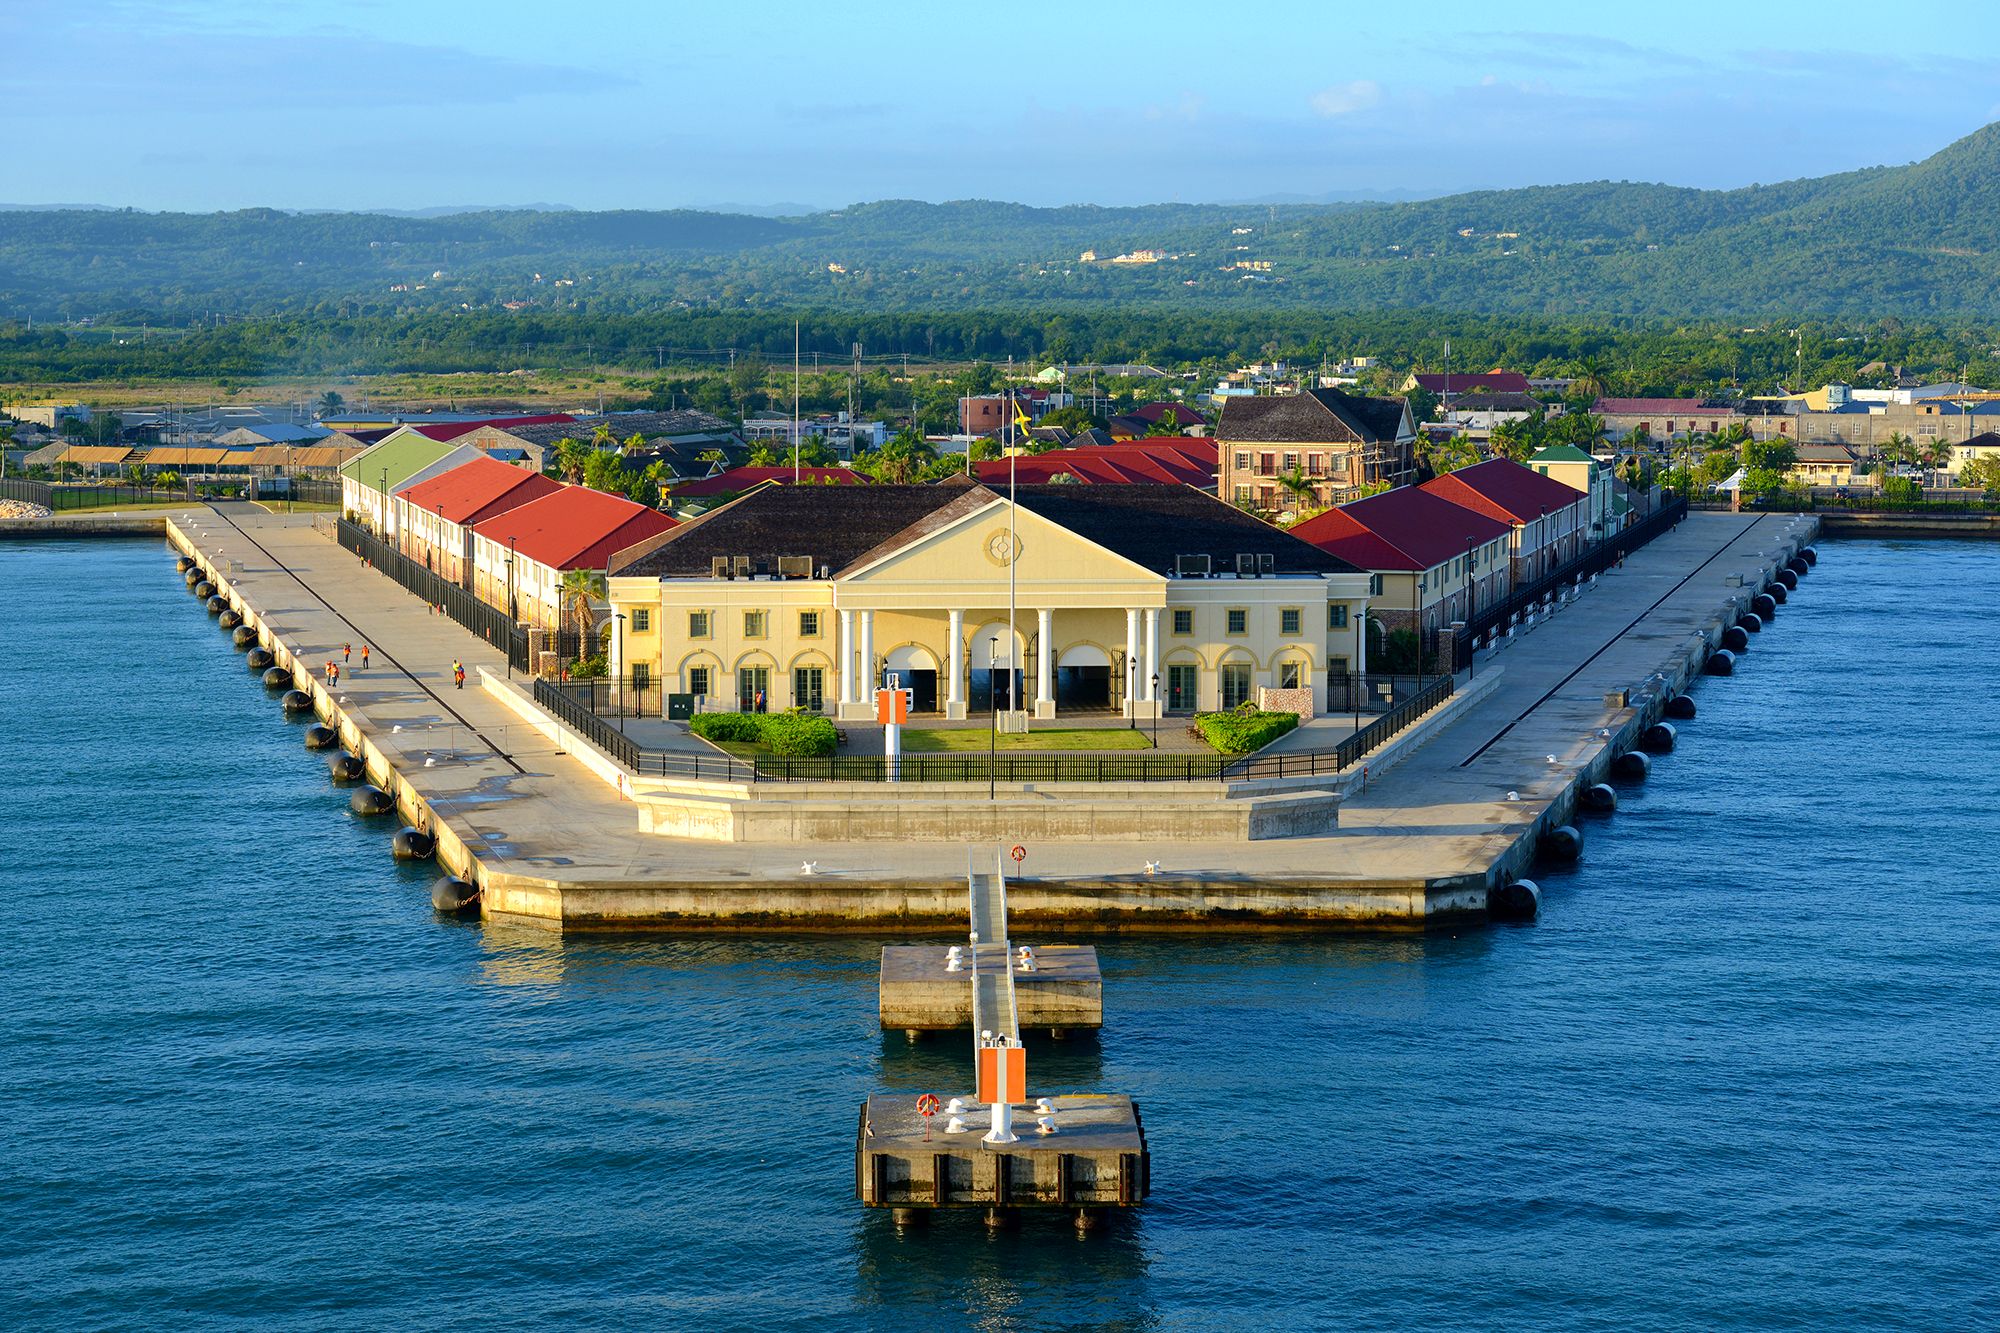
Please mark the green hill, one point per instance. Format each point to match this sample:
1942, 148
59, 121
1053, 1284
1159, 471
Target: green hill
1919, 240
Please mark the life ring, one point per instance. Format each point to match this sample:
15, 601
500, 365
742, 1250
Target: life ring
927, 1104
1019, 853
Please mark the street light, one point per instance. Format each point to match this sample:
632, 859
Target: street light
1156, 710
618, 681
1131, 690
993, 717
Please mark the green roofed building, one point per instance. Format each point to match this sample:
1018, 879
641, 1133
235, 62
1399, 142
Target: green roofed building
370, 478
1573, 467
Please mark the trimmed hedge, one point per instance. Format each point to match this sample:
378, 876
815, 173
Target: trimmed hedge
795, 735
1243, 729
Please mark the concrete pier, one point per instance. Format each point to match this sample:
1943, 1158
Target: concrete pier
527, 811
1095, 1159
918, 993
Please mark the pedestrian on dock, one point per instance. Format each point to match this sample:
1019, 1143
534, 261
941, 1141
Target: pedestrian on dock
346, 653
458, 673
364, 657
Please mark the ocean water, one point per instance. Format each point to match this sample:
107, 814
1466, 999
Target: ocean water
1742, 1074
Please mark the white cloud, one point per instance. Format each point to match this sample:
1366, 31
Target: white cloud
1344, 99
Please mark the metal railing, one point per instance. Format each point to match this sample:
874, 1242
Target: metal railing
569, 703
1593, 560
88, 495
490, 622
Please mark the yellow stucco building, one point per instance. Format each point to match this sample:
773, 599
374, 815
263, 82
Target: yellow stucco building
1129, 599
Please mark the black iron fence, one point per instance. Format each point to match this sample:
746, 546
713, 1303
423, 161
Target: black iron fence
489, 622
614, 697
87, 495
1593, 560
589, 708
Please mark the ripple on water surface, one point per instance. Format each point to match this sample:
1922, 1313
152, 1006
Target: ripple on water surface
1740, 1074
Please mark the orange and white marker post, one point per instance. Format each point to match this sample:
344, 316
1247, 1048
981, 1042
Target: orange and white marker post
892, 710
1003, 1080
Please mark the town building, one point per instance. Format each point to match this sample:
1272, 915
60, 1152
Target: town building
1430, 562
1583, 472
1550, 521
1163, 459
1145, 419
1455, 384
1662, 419
1337, 442
1476, 414
370, 479
521, 555
729, 484
46, 415
1135, 600
434, 518
1824, 464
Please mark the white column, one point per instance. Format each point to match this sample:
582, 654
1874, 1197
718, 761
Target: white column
1152, 667
868, 681
1358, 618
1131, 684
1045, 699
954, 700
846, 658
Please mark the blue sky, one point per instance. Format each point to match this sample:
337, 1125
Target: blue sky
199, 104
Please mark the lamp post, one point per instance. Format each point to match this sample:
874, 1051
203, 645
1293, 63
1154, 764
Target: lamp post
618, 680
1471, 544
437, 544
993, 718
382, 518
1131, 689
1156, 710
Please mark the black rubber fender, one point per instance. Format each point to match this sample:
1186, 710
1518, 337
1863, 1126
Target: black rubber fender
1519, 901
371, 802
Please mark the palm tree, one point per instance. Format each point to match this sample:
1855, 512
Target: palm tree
1299, 489
1896, 450
580, 588
1592, 377
330, 402
1937, 457
571, 456
602, 438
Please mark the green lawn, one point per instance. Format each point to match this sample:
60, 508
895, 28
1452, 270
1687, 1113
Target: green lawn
977, 740
127, 507
296, 506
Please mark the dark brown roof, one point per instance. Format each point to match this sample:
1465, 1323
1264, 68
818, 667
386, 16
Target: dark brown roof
1318, 416
834, 525
843, 526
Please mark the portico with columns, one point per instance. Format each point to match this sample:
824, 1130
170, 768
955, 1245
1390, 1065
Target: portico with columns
1101, 622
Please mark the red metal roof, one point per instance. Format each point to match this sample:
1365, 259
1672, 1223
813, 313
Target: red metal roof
574, 527
1407, 528
1166, 460
1493, 381
738, 479
451, 430
478, 490
1504, 489
1680, 407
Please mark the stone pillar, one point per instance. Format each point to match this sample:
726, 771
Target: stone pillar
954, 703
1045, 651
1132, 686
1151, 667
868, 680
1359, 619
846, 659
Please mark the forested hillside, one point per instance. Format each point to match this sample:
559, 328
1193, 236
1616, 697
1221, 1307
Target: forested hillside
1920, 240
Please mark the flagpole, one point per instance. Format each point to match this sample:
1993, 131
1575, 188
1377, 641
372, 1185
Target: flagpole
1013, 554
795, 402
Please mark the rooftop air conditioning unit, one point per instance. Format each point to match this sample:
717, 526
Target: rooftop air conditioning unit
1246, 566
718, 567
1267, 563
1191, 566
795, 567
742, 567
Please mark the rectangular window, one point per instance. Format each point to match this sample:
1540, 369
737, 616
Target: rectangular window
1243, 495
753, 689
1183, 621
1235, 684
1239, 622
809, 688
753, 624
1316, 464
1289, 675
808, 624
1289, 620
698, 681
1291, 462
1180, 687
1267, 464
1374, 585
642, 621
1243, 462
697, 627
642, 676
1336, 615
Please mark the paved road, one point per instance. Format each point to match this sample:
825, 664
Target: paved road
534, 811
